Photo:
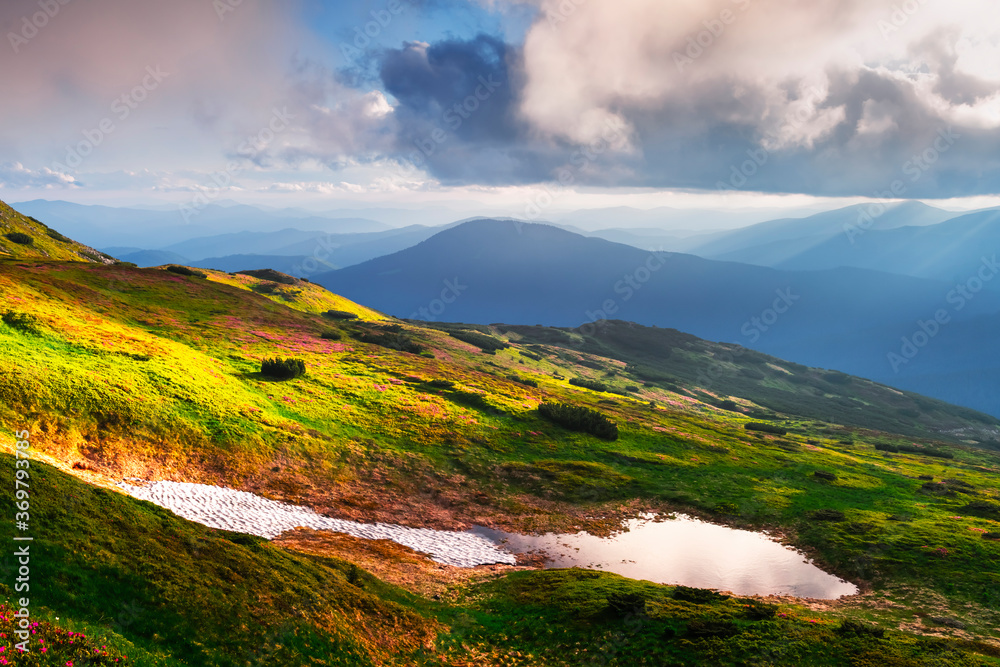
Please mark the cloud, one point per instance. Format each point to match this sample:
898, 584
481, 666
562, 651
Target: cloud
16, 176
835, 97
65, 80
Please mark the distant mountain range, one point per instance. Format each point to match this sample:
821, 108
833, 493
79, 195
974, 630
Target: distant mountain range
847, 319
105, 226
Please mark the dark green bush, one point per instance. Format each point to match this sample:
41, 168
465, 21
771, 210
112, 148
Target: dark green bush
593, 385
765, 428
914, 449
340, 315
983, 508
283, 369
821, 474
826, 515
859, 629
704, 628
331, 335
21, 321
756, 610
265, 288
271, 275
57, 236
528, 382
698, 595
392, 338
20, 238
441, 384
579, 419
185, 271
487, 344
623, 605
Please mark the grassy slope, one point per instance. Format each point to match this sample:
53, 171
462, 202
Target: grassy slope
46, 243
133, 582
149, 373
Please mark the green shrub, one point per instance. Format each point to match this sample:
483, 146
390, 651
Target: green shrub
765, 428
441, 384
827, 515
57, 236
283, 369
702, 628
340, 315
487, 344
821, 474
528, 382
331, 335
21, 321
698, 595
623, 605
579, 419
270, 275
755, 610
914, 449
983, 508
20, 238
392, 338
593, 385
185, 271
859, 629
265, 288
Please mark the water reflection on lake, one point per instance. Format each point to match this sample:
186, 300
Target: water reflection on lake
687, 551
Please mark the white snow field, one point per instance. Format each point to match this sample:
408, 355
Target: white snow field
244, 512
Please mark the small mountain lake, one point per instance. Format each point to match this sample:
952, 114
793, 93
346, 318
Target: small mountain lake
685, 551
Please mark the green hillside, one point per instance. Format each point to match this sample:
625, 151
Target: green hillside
157, 373
24, 237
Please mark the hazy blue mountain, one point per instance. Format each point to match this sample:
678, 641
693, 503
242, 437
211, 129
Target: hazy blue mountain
241, 243
147, 258
290, 264
667, 219
773, 242
491, 271
149, 228
950, 251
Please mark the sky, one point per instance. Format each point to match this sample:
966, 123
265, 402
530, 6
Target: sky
519, 105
